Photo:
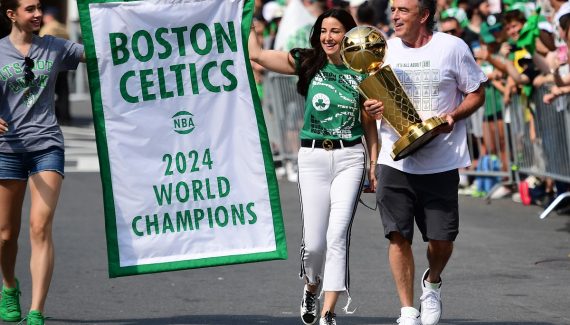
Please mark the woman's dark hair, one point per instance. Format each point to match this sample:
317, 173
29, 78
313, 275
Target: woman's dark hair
310, 61
6, 5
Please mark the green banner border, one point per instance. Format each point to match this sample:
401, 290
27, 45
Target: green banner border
115, 270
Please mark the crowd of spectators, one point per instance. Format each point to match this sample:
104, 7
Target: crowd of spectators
522, 46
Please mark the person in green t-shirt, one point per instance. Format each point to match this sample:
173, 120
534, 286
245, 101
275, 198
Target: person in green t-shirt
332, 157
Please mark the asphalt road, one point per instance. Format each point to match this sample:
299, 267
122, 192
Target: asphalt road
508, 268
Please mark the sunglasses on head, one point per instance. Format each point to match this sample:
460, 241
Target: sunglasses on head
28, 73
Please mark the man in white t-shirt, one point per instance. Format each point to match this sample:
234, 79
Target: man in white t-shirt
441, 78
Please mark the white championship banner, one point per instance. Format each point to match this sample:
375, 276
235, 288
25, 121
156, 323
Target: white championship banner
186, 166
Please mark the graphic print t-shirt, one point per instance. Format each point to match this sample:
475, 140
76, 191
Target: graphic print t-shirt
332, 106
29, 108
436, 77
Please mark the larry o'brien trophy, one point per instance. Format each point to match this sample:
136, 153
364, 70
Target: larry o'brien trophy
363, 49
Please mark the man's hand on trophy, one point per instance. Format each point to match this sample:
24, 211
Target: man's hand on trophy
374, 108
446, 128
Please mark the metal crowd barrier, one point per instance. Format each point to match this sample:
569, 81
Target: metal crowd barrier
527, 138
283, 109
536, 142
543, 141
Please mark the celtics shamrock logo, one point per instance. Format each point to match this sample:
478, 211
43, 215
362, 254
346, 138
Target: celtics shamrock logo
321, 102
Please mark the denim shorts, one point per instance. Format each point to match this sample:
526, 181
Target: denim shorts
25, 164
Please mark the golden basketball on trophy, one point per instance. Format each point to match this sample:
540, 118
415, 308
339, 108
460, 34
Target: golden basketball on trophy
363, 49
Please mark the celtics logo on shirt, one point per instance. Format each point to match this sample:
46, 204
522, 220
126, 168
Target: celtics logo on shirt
332, 108
321, 102
332, 115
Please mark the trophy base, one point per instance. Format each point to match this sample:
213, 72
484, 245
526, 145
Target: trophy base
416, 137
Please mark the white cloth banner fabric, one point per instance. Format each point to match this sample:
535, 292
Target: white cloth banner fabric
295, 17
186, 167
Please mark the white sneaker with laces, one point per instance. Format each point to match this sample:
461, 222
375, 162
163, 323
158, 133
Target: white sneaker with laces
309, 307
430, 302
409, 316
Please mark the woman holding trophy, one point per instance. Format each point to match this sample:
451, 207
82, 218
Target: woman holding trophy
332, 158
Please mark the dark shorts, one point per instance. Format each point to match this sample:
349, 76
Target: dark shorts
493, 117
20, 166
430, 200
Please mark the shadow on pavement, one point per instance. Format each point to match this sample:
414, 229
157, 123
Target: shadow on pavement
566, 228
474, 322
257, 319
225, 320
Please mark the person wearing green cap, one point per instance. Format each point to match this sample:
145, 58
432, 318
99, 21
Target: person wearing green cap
457, 13
494, 47
492, 29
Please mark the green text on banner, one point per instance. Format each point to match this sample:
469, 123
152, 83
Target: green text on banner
186, 166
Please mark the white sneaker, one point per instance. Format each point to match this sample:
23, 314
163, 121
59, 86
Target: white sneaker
463, 180
500, 193
280, 172
430, 303
309, 307
516, 197
469, 190
409, 316
292, 177
328, 319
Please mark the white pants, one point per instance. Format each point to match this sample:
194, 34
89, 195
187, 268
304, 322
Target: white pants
329, 187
